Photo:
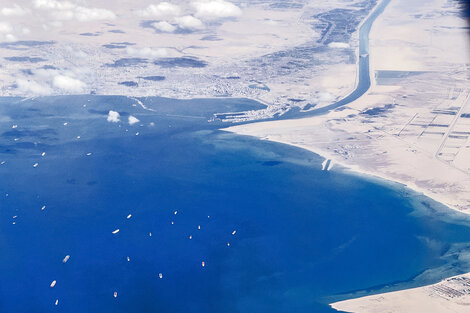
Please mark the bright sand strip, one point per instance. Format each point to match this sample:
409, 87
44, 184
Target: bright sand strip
409, 141
418, 136
450, 295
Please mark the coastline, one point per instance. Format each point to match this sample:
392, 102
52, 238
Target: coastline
449, 295
370, 146
243, 167
364, 304
387, 146
356, 170
367, 100
370, 132
408, 297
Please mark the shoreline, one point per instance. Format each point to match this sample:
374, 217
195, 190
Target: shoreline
441, 205
416, 196
386, 146
416, 299
356, 170
375, 148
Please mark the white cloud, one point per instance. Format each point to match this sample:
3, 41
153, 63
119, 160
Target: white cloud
62, 15
29, 87
5, 27
68, 83
50, 24
189, 22
16, 10
340, 45
161, 10
65, 10
10, 37
271, 22
25, 30
7, 31
113, 117
93, 14
216, 9
53, 4
325, 97
45, 73
164, 27
54, 81
133, 120
146, 52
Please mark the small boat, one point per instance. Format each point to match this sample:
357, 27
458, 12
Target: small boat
67, 257
53, 283
115, 294
116, 231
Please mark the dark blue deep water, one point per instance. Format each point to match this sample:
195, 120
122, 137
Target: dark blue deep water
303, 236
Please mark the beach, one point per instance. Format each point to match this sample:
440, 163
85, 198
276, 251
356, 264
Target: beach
450, 295
104, 213
352, 195
410, 127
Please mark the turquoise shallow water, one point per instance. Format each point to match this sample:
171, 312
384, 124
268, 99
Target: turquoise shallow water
302, 237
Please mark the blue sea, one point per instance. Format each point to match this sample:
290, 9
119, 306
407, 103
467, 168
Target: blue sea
232, 223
